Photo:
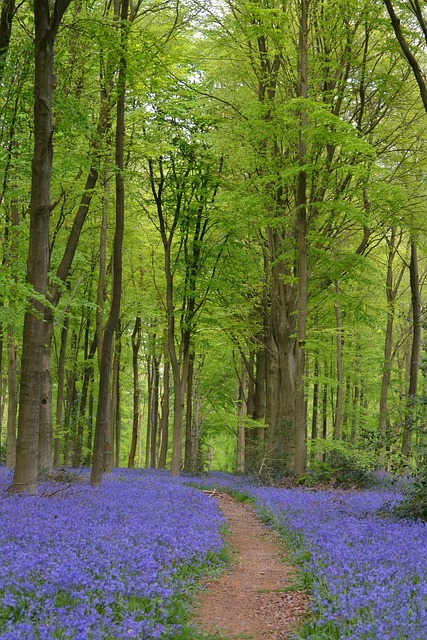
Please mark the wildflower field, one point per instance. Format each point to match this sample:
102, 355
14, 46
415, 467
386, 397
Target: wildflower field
366, 570
116, 562
106, 563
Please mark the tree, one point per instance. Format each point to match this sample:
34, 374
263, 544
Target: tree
47, 20
114, 314
6, 17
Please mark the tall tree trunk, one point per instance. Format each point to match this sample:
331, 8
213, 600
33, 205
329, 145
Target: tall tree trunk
136, 345
101, 290
12, 366
280, 409
347, 404
355, 412
63, 270
12, 402
114, 315
115, 404
46, 26
62, 273
90, 420
164, 420
242, 411
82, 417
60, 394
254, 440
70, 420
411, 407
45, 460
6, 18
315, 408
179, 369
149, 410
340, 380
190, 456
392, 286
155, 411
108, 448
302, 268
2, 403
325, 412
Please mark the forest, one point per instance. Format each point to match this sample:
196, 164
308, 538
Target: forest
213, 236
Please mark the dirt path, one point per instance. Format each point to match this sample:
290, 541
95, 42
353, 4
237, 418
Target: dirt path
250, 599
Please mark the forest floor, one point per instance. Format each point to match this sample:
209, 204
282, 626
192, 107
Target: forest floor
256, 597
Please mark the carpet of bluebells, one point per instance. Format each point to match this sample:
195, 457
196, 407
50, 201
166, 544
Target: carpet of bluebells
367, 573
110, 563
87, 563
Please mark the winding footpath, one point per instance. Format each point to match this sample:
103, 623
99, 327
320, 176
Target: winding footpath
255, 598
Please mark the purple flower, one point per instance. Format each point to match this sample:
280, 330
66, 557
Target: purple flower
92, 564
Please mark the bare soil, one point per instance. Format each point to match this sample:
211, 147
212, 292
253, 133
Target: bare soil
256, 597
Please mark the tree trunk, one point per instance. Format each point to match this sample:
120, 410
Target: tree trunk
82, 417
347, 403
325, 412
280, 409
62, 273
356, 412
60, 394
315, 408
45, 460
70, 420
149, 411
101, 290
2, 403
340, 388
302, 266
178, 405
155, 412
392, 287
6, 17
411, 407
114, 315
254, 440
12, 367
164, 420
242, 411
189, 453
12, 402
136, 345
46, 26
108, 449
90, 417
115, 401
